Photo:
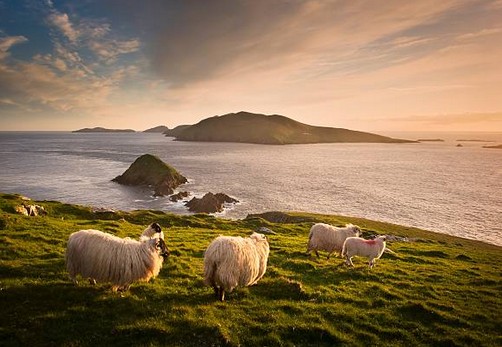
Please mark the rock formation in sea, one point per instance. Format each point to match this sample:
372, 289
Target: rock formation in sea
149, 170
209, 203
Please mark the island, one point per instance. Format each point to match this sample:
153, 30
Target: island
150, 171
103, 130
175, 131
256, 128
495, 147
157, 129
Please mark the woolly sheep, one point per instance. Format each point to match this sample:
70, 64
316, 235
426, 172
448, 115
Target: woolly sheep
104, 257
152, 231
371, 249
325, 237
232, 261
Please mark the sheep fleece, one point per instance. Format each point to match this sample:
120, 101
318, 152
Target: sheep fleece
108, 258
235, 261
325, 237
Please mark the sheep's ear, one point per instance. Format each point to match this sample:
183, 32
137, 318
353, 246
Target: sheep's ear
157, 227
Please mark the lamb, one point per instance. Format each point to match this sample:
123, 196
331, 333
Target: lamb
372, 249
232, 261
325, 237
152, 231
104, 257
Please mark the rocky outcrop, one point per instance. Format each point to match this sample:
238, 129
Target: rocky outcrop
149, 170
209, 203
280, 217
179, 196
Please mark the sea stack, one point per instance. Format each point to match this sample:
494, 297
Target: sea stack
149, 170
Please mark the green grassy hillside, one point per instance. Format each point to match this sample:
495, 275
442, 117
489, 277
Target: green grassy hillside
437, 290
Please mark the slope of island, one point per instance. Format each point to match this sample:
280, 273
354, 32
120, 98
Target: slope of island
435, 290
272, 129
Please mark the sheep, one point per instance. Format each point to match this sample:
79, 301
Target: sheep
104, 257
152, 231
372, 249
231, 261
325, 237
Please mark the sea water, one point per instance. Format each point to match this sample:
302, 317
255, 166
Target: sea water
432, 185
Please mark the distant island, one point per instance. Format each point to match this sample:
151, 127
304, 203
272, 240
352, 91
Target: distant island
496, 147
430, 140
103, 130
175, 131
158, 129
246, 127
473, 140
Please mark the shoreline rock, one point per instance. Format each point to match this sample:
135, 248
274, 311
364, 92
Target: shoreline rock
209, 203
149, 170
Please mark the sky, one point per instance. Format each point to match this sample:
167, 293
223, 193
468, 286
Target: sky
370, 65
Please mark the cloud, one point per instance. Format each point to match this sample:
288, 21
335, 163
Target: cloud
205, 40
7, 42
62, 22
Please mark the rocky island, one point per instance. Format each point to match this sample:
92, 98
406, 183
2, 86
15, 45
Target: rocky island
273, 130
149, 170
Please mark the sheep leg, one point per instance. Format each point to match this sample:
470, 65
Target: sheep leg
329, 255
348, 261
216, 292
92, 281
221, 295
317, 253
372, 262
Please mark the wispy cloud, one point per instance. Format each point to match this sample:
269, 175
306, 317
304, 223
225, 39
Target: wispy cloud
62, 22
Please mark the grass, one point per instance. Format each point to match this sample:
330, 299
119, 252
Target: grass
438, 290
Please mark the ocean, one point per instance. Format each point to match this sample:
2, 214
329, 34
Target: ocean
431, 185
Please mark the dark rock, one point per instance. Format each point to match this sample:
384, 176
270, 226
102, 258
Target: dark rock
178, 196
280, 217
209, 203
149, 170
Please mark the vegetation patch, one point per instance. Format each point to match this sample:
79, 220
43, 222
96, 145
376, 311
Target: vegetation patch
442, 291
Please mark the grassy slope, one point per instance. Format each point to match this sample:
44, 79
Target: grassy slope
440, 290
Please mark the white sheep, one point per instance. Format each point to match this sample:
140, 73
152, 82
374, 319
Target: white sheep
152, 231
104, 257
231, 261
325, 237
371, 249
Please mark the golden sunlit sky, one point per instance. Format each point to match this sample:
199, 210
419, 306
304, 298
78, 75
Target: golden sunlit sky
374, 65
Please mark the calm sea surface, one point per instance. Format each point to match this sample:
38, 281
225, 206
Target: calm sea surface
435, 185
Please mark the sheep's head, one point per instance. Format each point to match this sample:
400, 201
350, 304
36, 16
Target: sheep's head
258, 237
156, 227
161, 246
355, 229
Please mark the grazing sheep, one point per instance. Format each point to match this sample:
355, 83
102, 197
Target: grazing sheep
232, 261
152, 231
372, 249
104, 257
325, 237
